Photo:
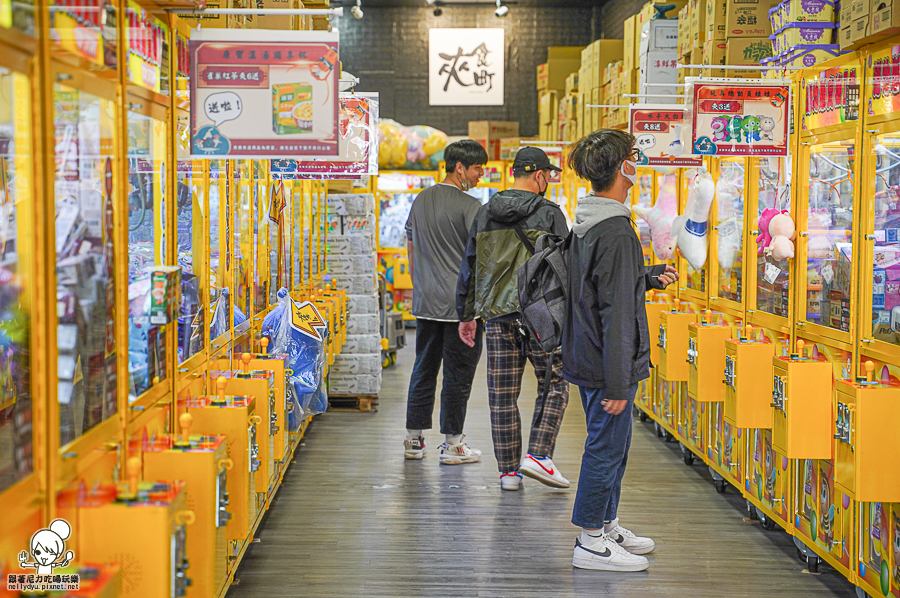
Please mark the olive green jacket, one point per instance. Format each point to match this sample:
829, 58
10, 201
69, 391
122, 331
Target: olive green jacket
487, 287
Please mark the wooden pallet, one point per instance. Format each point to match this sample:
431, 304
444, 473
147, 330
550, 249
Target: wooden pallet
353, 403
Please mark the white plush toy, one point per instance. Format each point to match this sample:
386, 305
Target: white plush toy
691, 230
730, 224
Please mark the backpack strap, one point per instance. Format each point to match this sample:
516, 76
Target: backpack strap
522, 237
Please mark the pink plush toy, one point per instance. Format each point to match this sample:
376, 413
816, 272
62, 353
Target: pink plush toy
781, 229
764, 237
660, 218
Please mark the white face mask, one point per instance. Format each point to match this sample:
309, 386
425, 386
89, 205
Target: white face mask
463, 180
631, 177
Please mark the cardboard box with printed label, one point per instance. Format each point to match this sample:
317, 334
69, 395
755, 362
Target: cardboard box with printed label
210, 21
594, 121
605, 51
855, 34
748, 18
489, 133
749, 51
659, 36
716, 19
572, 83
698, 24
362, 343
884, 19
630, 42
561, 60
657, 73
282, 22
684, 31
548, 107
586, 79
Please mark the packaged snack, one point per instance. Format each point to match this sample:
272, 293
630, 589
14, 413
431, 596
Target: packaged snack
293, 109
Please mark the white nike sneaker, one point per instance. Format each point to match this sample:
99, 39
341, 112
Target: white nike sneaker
605, 555
543, 470
454, 454
627, 540
511, 480
414, 448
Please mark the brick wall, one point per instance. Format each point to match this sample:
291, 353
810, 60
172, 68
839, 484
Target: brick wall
610, 16
388, 51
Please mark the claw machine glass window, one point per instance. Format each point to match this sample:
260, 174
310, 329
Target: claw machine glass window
84, 195
218, 296
261, 226
296, 192
192, 208
695, 280
16, 282
730, 202
642, 199
772, 276
306, 237
147, 155
829, 246
243, 241
886, 256
396, 192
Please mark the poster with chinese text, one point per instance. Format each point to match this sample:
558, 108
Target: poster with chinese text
264, 94
831, 97
466, 67
358, 143
657, 132
147, 52
884, 83
737, 117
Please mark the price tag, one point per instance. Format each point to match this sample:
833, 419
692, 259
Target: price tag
771, 274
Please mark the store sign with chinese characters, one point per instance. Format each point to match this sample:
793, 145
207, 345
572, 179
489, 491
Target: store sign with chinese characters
359, 145
264, 94
466, 67
657, 131
884, 85
76, 28
147, 48
737, 117
830, 98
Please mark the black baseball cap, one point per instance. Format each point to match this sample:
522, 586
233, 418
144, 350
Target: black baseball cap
532, 159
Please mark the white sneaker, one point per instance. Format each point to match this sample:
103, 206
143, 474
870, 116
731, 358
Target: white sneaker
510, 480
605, 555
543, 470
414, 448
454, 454
627, 540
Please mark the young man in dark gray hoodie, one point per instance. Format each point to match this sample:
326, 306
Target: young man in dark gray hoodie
606, 343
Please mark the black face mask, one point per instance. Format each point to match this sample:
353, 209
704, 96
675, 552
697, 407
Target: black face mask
546, 186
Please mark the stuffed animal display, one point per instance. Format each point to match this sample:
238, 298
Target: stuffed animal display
743, 129
776, 233
660, 218
692, 229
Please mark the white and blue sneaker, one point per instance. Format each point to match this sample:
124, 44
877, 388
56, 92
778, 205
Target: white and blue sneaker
602, 553
455, 454
511, 480
627, 540
543, 470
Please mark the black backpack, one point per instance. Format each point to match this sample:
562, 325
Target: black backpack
543, 282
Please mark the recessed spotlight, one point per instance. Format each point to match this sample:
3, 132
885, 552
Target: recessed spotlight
437, 11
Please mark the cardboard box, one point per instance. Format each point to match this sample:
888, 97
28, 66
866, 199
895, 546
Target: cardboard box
658, 68
489, 133
716, 19
884, 20
749, 51
551, 76
631, 42
684, 31
659, 36
748, 18
547, 107
586, 79
210, 21
594, 121
605, 51
698, 24
572, 83
282, 22
362, 343
855, 34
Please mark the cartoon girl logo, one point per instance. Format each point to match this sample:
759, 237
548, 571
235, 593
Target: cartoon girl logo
826, 511
896, 546
48, 548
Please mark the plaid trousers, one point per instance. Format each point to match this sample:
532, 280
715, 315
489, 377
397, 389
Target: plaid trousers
507, 350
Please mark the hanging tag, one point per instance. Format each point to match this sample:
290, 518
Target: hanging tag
772, 272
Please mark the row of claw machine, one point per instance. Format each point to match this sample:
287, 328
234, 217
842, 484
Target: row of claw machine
148, 405
777, 357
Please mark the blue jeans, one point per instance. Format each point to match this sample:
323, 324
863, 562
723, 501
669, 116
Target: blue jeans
604, 460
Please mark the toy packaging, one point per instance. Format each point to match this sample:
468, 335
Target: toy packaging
354, 265
354, 384
361, 344
350, 245
736, 117
351, 204
362, 304
165, 294
293, 108
367, 363
362, 324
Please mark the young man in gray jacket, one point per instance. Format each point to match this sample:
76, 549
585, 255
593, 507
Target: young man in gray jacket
606, 343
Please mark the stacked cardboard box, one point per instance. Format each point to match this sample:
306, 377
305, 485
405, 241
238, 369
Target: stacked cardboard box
658, 58
489, 133
554, 78
747, 31
867, 21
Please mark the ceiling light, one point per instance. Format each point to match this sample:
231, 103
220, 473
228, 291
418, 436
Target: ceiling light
437, 11
501, 11
356, 11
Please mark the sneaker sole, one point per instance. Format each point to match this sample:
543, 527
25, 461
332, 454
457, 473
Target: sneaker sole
640, 551
544, 479
594, 565
458, 460
414, 455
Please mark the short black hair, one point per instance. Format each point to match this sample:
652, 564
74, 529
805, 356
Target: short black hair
524, 174
599, 156
465, 152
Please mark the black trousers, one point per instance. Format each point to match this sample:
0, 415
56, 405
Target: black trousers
436, 343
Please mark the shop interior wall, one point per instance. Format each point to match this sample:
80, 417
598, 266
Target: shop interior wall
388, 51
609, 16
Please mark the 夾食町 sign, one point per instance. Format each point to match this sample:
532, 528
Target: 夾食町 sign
466, 67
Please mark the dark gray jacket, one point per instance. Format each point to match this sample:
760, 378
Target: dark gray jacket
487, 286
606, 343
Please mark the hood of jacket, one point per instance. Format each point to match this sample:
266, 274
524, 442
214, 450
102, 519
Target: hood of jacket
592, 210
513, 205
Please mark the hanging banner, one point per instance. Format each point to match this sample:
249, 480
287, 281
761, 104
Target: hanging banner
884, 85
77, 28
147, 48
737, 117
657, 131
466, 67
263, 94
358, 145
831, 97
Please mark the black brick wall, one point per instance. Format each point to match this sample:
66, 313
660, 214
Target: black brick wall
388, 51
610, 16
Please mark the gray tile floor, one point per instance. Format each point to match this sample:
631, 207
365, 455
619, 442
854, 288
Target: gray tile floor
354, 519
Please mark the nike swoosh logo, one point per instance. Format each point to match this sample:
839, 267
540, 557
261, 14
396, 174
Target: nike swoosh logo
620, 539
549, 471
605, 554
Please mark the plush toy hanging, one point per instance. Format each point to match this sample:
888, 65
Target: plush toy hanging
692, 229
776, 233
660, 218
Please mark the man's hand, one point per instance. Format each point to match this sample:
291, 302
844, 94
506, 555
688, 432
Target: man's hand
614, 407
670, 276
467, 332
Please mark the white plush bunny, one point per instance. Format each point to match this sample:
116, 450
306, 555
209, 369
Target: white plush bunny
692, 229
